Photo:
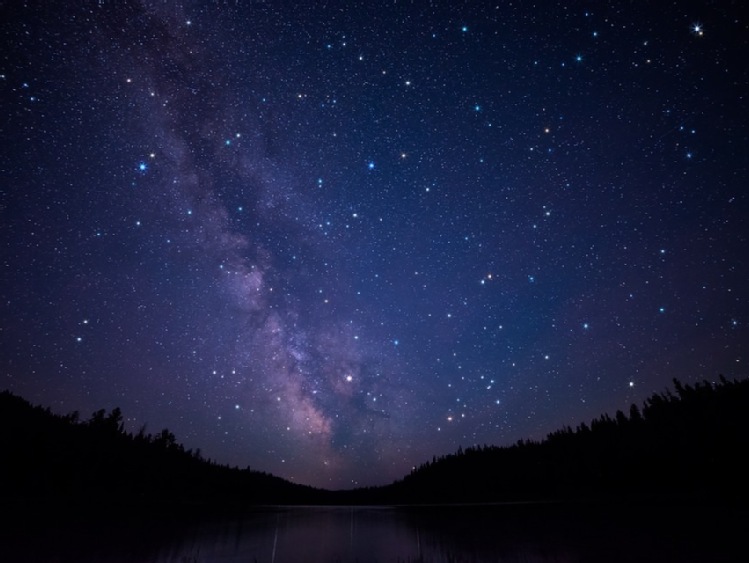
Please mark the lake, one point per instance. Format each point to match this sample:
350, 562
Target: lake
502, 533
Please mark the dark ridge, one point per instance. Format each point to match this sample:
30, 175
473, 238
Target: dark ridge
62, 463
689, 445
686, 445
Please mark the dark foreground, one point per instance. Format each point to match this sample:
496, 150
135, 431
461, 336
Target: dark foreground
538, 532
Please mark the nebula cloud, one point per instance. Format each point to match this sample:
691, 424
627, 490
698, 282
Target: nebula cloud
331, 241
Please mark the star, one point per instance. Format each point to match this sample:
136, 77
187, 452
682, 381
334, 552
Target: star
326, 246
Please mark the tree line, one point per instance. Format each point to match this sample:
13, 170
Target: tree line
689, 443
52, 460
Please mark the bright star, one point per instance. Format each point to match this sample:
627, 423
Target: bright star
371, 165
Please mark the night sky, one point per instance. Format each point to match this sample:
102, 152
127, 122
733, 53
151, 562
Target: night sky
331, 240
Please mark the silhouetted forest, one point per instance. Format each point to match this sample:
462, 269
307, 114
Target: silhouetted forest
690, 443
94, 464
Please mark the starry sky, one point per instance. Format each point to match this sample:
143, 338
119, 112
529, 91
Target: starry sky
330, 240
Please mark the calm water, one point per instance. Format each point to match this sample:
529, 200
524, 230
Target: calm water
519, 533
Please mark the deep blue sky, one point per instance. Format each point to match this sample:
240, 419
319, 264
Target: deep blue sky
330, 242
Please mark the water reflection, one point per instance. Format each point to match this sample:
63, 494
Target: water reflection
527, 533
360, 534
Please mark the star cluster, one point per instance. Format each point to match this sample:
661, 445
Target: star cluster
332, 241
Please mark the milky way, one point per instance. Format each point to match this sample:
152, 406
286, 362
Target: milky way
330, 242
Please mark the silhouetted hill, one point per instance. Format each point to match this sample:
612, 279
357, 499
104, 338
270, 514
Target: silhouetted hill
689, 445
53, 461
